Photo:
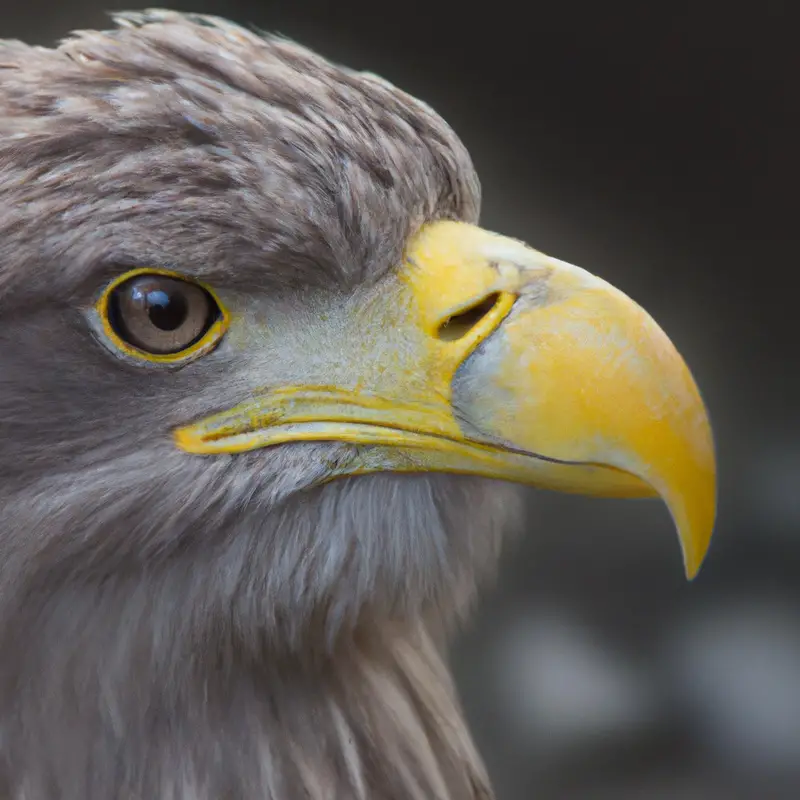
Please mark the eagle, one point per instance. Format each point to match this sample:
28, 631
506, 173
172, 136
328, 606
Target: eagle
269, 402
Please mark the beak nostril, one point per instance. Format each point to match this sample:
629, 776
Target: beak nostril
459, 325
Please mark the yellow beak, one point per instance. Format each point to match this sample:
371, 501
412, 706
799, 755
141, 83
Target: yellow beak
484, 356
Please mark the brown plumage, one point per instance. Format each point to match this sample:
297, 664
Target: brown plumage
147, 660
235, 625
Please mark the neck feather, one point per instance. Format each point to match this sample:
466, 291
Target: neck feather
378, 719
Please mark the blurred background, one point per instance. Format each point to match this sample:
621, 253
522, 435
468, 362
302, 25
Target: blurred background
655, 144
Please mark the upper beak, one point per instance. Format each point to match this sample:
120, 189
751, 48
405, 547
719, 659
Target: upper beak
485, 356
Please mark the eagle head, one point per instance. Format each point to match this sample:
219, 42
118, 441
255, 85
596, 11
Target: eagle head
268, 392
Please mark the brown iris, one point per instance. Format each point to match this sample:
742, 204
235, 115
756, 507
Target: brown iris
160, 315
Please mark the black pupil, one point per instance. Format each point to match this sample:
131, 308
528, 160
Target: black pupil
167, 310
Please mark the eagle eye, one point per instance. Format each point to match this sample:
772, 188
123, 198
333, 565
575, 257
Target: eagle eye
160, 316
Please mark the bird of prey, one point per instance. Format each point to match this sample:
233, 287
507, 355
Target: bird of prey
268, 397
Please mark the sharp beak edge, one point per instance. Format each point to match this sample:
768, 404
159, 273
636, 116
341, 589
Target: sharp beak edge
488, 357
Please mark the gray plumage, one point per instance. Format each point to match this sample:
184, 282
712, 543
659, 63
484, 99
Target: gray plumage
173, 626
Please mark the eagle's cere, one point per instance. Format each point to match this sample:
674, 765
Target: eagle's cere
267, 398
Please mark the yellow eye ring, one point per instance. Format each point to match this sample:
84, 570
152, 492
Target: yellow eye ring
204, 322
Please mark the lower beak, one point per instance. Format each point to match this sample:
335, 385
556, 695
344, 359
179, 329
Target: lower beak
486, 357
